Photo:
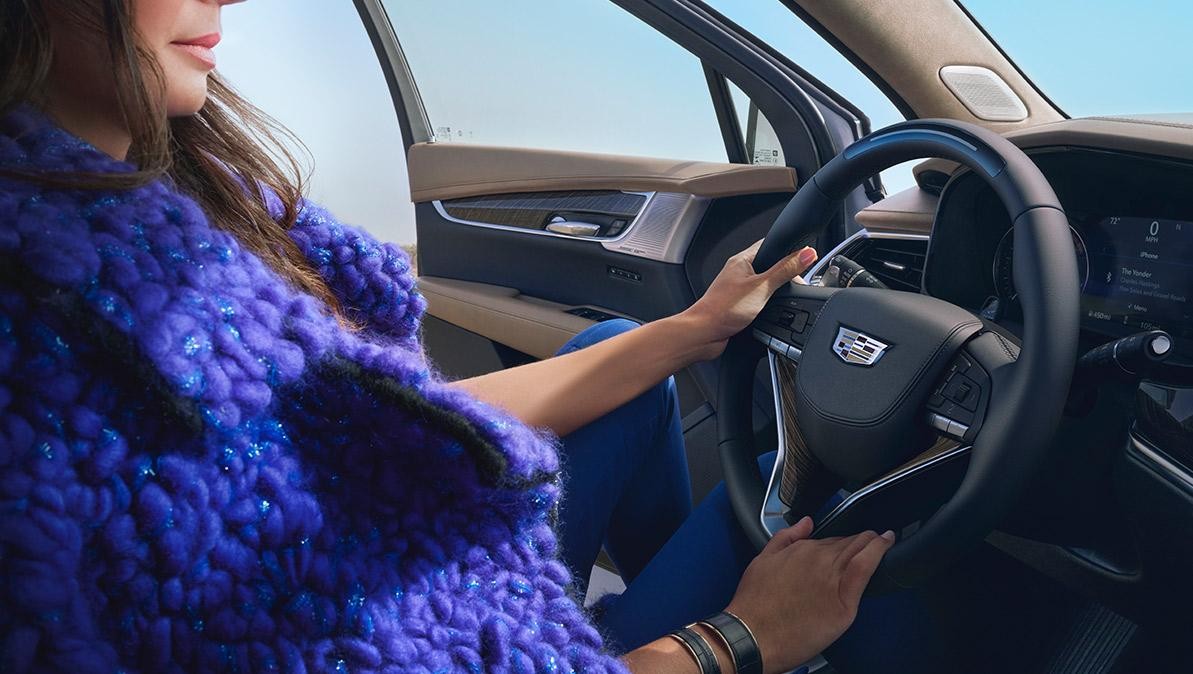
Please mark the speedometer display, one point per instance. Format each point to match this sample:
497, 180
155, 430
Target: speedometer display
1004, 280
1131, 222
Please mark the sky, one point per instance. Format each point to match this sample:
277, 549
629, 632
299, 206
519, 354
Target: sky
1099, 57
310, 65
585, 75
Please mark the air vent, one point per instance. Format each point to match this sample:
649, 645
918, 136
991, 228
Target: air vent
899, 263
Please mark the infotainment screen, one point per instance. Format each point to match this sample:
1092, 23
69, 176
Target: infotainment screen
1140, 275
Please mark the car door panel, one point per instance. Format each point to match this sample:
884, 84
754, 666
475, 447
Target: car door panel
559, 269
500, 285
441, 171
652, 225
576, 213
528, 324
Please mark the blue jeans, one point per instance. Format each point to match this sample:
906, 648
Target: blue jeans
627, 489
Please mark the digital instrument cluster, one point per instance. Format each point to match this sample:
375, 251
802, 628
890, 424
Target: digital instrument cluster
1135, 272
1131, 221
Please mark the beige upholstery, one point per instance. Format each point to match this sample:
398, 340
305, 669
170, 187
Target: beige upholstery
1163, 136
530, 325
907, 42
911, 211
455, 170
1170, 136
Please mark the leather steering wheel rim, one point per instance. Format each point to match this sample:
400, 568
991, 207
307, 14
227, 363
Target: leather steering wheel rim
1023, 416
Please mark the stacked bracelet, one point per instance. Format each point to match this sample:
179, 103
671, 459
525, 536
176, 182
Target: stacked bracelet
743, 647
699, 649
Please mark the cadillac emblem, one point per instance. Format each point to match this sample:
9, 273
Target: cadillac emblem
856, 348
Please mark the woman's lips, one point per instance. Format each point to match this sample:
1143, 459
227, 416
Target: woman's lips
201, 48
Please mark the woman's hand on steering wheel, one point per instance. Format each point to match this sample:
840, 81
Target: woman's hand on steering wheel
738, 293
800, 594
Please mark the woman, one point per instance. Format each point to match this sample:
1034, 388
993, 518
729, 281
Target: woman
221, 447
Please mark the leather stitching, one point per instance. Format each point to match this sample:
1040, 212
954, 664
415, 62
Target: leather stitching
1006, 346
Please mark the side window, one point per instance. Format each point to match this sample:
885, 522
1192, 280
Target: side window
578, 75
773, 23
762, 143
310, 65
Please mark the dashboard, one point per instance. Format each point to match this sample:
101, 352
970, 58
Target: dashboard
1131, 219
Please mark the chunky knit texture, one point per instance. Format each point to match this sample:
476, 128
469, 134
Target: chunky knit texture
200, 470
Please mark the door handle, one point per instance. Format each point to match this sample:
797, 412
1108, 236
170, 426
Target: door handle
572, 227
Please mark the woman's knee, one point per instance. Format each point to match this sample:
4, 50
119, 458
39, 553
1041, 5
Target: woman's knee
656, 401
598, 332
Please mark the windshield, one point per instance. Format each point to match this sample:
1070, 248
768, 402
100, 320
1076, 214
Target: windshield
1098, 57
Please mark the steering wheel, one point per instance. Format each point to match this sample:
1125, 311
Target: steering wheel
900, 396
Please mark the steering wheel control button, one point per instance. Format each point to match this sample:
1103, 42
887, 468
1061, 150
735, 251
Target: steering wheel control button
947, 426
771, 329
800, 320
963, 391
957, 429
940, 423
962, 364
968, 393
788, 319
778, 346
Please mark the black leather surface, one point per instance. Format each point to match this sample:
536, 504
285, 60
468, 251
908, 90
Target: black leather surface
1025, 407
1009, 172
861, 420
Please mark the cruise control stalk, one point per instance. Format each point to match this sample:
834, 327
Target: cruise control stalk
1121, 364
845, 273
1132, 357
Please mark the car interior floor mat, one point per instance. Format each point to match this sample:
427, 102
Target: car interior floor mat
1094, 644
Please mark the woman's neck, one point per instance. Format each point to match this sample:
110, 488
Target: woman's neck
104, 129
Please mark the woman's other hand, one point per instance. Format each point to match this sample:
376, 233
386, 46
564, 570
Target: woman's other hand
800, 594
737, 294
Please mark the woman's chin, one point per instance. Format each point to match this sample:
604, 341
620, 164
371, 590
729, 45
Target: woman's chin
186, 89
185, 104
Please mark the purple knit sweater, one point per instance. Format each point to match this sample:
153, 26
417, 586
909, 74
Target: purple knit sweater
200, 470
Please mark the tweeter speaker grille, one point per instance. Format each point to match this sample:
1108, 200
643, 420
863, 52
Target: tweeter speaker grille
984, 93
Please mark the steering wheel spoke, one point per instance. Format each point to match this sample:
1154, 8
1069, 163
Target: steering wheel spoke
903, 498
799, 483
957, 407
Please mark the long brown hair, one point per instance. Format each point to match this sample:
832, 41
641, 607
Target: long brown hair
211, 156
